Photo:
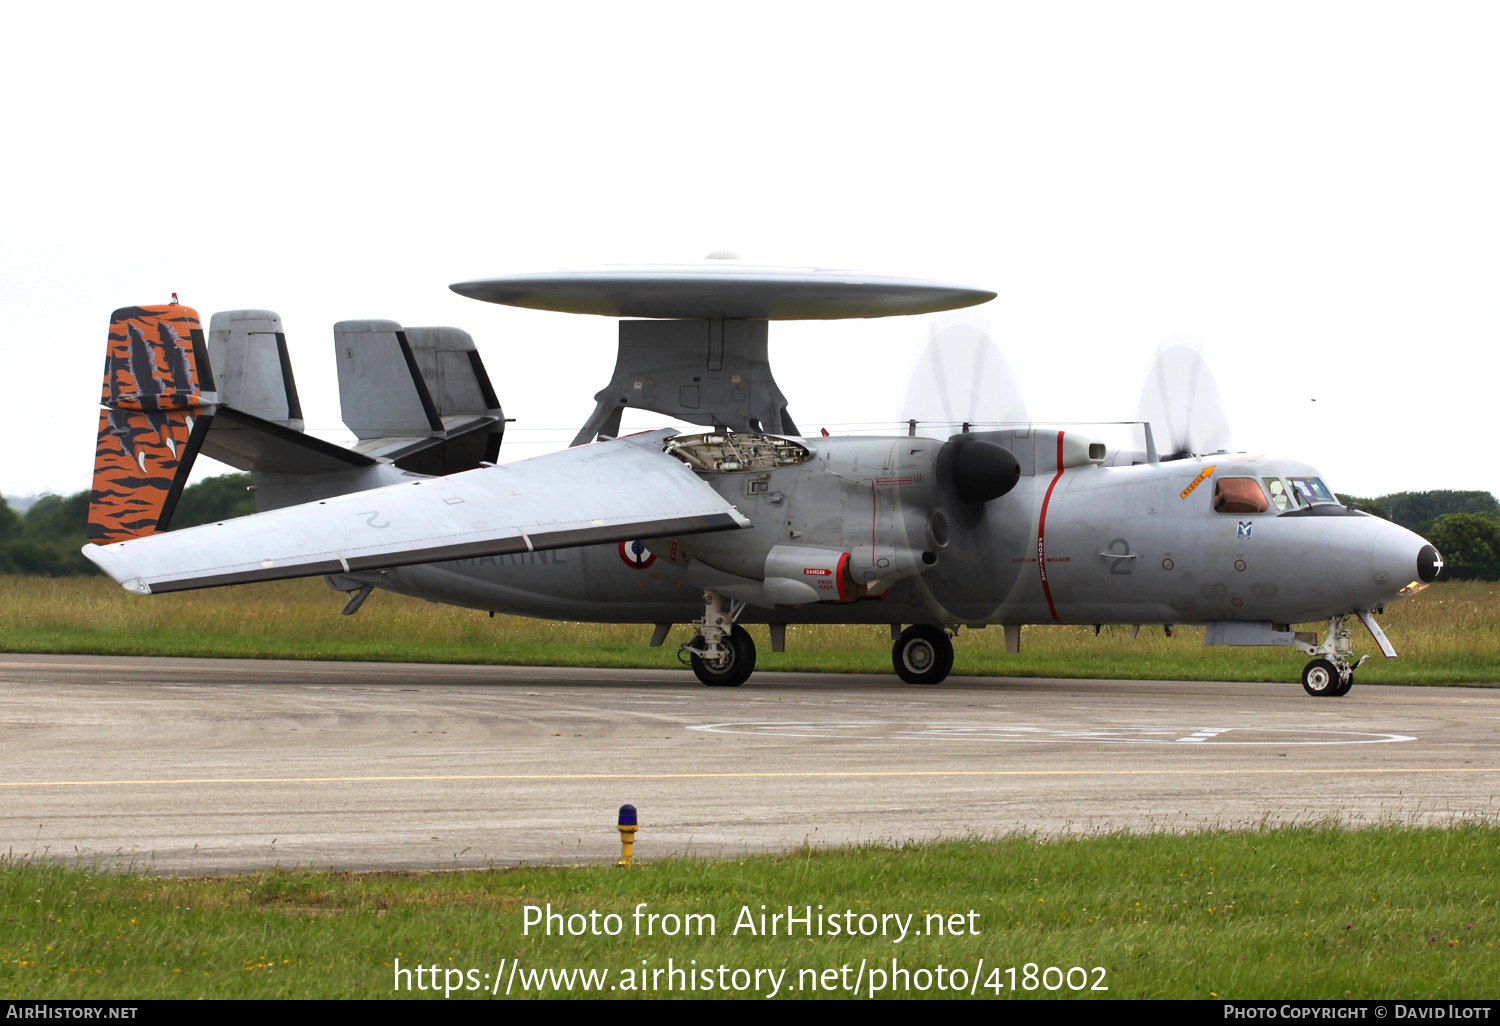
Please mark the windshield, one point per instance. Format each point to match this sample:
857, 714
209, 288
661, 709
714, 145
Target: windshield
1279, 495
1310, 490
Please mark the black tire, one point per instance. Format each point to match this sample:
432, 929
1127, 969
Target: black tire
739, 668
923, 654
1343, 689
1320, 678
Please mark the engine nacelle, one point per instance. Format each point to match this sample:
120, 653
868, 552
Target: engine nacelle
796, 574
834, 520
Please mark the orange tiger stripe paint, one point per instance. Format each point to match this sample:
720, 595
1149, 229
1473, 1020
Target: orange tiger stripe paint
151, 396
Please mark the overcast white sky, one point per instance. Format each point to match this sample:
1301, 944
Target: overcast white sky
1307, 190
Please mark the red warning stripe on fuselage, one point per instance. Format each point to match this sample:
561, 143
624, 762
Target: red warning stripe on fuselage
1041, 532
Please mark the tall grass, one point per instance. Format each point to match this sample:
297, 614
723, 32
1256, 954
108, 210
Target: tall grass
1449, 633
1314, 911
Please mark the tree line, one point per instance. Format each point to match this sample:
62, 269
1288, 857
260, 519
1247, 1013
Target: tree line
45, 541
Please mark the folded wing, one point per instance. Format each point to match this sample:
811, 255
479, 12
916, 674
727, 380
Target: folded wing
606, 492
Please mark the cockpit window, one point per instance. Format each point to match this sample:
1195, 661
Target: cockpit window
1239, 495
1279, 497
1309, 490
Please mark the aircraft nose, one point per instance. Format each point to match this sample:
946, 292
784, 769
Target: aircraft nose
1429, 564
1405, 562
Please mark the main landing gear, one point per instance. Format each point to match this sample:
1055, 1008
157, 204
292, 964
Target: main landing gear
923, 654
722, 652
1330, 674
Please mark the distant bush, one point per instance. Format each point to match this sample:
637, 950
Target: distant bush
48, 540
1470, 544
217, 498
11, 524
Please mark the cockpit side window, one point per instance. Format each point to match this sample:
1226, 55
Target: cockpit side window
1309, 490
1239, 495
1279, 497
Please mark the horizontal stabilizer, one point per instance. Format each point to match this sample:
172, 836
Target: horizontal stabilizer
463, 447
610, 492
247, 442
257, 424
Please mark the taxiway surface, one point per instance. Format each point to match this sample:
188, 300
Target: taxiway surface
207, 765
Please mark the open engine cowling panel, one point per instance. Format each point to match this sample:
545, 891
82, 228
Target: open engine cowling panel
736, 452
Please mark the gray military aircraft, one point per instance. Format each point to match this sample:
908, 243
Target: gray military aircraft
748, 521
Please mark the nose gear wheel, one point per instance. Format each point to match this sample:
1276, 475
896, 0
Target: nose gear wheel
1325, 678
1319, 678
1330, 675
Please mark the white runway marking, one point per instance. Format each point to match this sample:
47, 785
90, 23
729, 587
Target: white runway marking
878, 730
1205, 734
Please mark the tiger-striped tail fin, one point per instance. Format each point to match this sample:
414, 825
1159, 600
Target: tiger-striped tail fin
156, 374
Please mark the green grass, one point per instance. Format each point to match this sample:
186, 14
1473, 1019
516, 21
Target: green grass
1448, 634
1310, 911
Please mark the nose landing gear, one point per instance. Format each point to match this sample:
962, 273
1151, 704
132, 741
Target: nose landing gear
1330, 674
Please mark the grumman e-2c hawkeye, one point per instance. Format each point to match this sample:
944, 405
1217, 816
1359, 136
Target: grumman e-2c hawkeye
746, 522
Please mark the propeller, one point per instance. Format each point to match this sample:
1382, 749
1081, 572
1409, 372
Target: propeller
1181, 402
963, 378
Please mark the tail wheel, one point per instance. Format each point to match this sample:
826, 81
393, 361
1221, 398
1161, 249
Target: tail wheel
735, 667
1321, 678
923, 654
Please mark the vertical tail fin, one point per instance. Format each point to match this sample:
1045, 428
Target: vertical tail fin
254, 366
155, 373
418, 397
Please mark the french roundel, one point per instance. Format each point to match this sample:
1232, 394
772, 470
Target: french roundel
636, 555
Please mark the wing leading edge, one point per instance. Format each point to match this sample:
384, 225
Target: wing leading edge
606, 492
